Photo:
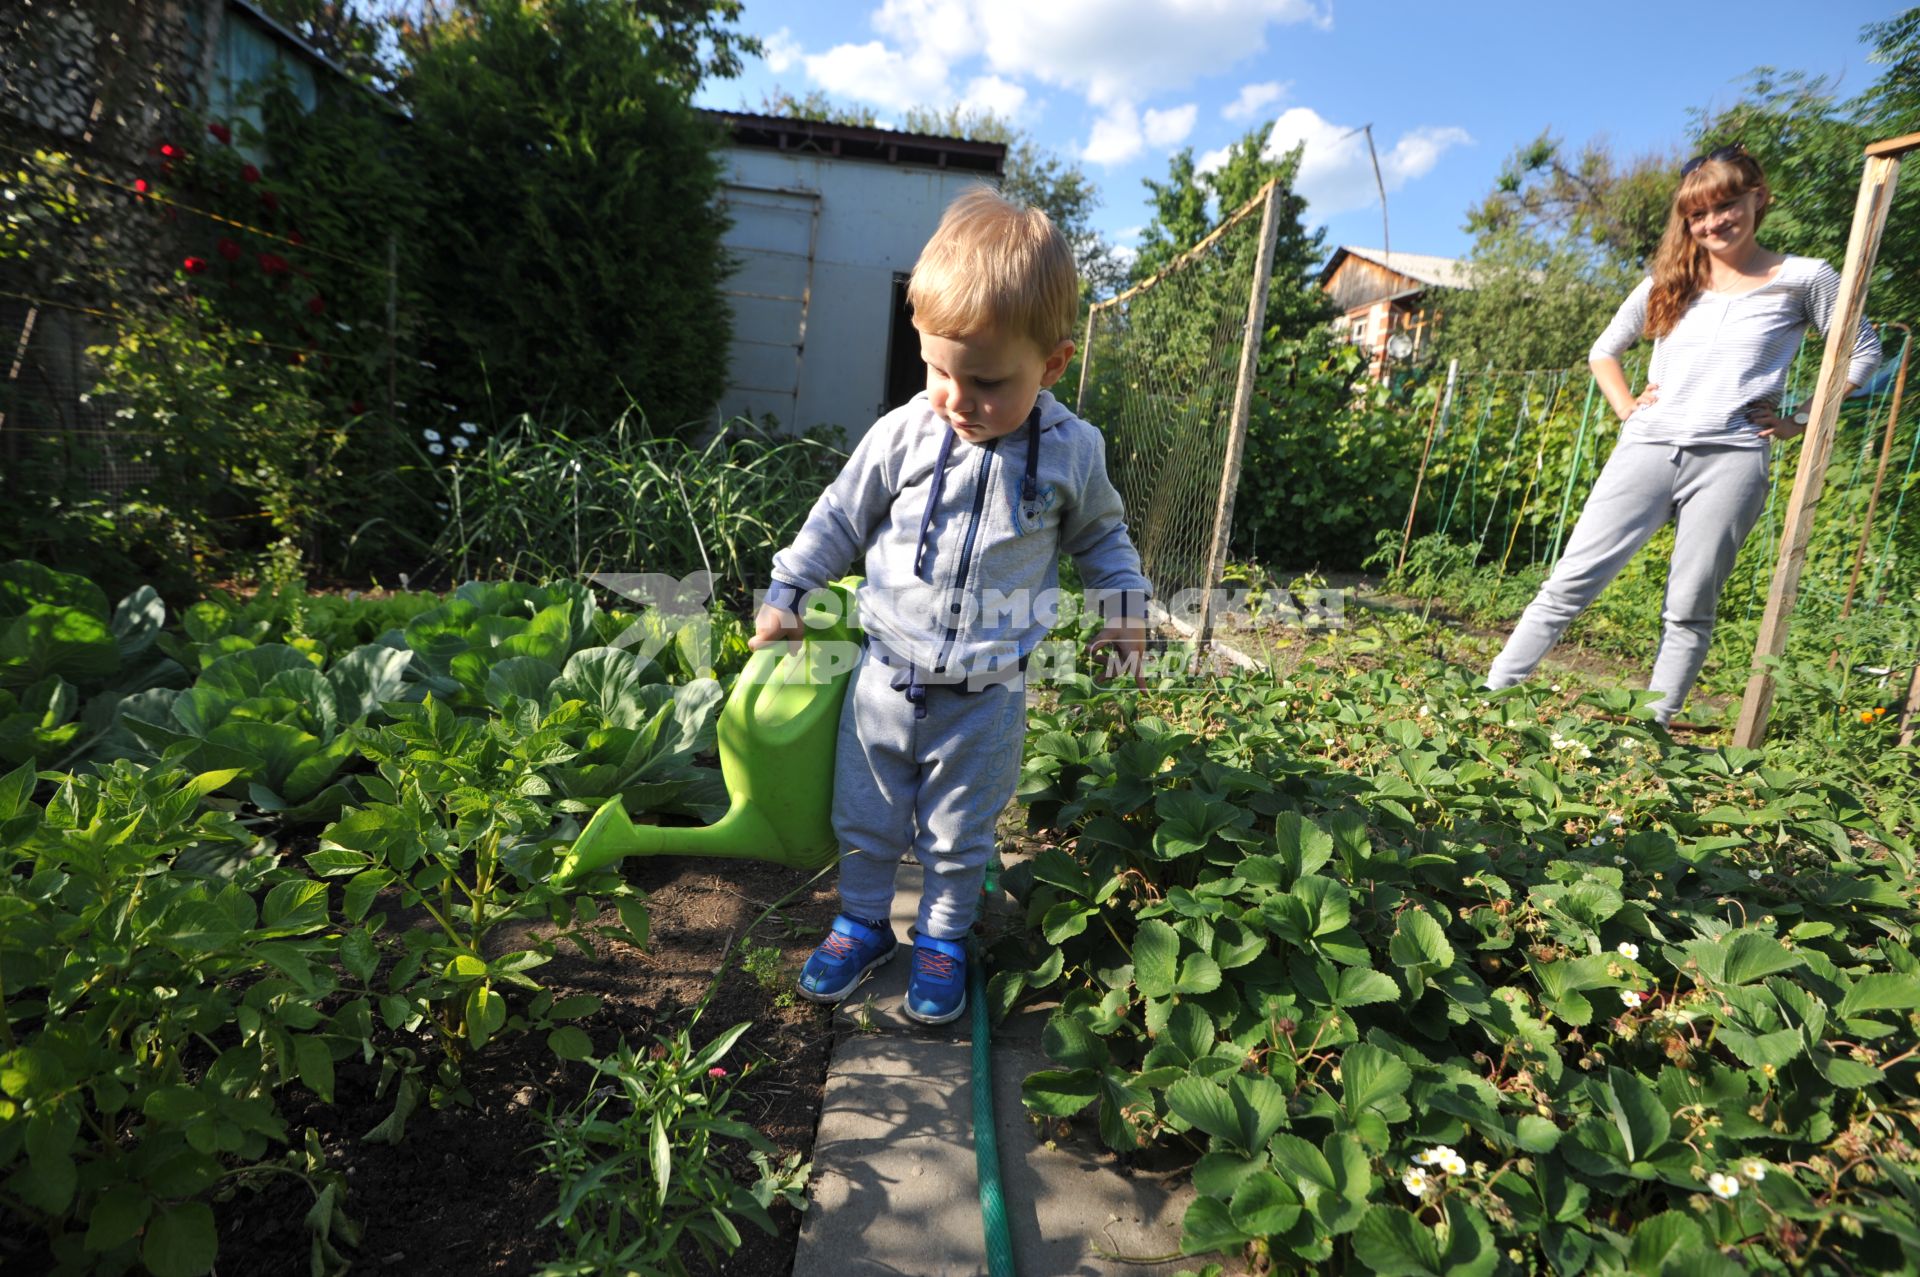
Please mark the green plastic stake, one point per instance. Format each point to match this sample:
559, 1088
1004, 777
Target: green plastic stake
777, 734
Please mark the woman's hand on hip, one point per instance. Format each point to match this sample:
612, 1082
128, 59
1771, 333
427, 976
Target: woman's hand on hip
1766, 415
1642, 400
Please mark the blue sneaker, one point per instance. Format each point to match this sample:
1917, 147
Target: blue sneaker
843, 959
937, 989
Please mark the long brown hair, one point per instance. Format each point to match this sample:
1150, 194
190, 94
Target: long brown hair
1681, 268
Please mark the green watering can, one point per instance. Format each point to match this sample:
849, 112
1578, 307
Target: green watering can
777, 732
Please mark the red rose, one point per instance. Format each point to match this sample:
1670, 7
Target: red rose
140, 185
316, 305
248, 173
229, 248
195, 265
270, 201
221, 132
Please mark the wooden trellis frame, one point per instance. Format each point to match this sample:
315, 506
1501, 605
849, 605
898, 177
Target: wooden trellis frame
1878, 178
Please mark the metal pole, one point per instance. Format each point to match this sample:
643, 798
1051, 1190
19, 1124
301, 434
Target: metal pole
1242, 403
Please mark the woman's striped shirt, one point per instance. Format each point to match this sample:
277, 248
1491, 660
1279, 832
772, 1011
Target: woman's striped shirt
1729, 352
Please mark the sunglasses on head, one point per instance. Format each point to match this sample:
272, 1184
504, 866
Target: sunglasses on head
1733, 152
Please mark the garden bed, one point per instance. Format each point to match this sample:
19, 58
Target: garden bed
461, 1193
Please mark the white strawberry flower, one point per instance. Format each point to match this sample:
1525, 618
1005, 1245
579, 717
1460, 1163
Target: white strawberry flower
1416, 1182
1628, 950
1632, 999
1454, 1165
1725, 1187
1753, 1169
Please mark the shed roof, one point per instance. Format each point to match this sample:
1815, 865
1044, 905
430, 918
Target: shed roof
1440, 272
853, 142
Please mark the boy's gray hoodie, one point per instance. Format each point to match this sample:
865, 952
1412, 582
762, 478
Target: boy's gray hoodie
976, 590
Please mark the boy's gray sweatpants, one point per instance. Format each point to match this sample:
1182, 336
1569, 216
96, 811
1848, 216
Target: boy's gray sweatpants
1713, 494
934, 786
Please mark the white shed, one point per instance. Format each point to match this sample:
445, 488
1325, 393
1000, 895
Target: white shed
827, 222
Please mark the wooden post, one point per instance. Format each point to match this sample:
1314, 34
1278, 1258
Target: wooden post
1910, 713
1433, 423
1086, 362
1880, 473
1877, 181
1242, 403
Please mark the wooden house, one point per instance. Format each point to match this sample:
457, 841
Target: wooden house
1382, 295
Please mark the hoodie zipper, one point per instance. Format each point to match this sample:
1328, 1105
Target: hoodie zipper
966, 551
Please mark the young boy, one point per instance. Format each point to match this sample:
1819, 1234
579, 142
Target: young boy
961, 502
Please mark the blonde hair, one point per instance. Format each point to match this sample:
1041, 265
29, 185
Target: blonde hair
993, 264
1681, 267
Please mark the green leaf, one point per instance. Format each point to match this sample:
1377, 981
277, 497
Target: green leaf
293, 908
1360, 986
1637, 1114
1070, 1043
1881, 991
315, 1064
1155, 947
118, 1216
1264, 1205
1393, 1243
1060, 1092
1205, 1105
181, 1242
486, 1013
1420, 944
1660, 1237
570, 1043
1371, 1078
1208, 1226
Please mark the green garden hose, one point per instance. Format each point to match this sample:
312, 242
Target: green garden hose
986, 1149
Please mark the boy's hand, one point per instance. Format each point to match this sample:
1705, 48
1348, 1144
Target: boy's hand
1124, 644
771, 624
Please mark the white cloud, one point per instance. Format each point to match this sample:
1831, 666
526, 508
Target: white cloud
1126, 50
1335, 173
1213, 161
782, 50
1170, 127
991, 93
1252, 98
872, 72
947, 25
1116, 137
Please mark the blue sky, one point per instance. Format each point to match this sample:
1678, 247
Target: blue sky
1450, 86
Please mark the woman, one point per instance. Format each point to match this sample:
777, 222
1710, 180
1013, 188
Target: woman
1726, 316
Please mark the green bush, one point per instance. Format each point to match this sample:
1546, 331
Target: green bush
574, 257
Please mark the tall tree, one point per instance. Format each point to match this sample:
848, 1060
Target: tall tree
577, 254
1189, 203
1810, 144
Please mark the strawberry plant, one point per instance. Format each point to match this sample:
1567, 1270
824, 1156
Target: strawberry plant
1429, 980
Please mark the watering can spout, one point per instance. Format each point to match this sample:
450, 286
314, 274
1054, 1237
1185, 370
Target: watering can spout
777, 734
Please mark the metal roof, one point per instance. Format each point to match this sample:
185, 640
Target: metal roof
853, 142
1440, 272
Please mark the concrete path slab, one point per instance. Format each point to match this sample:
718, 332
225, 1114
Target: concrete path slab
895, 1188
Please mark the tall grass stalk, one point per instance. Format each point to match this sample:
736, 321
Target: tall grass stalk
540, 500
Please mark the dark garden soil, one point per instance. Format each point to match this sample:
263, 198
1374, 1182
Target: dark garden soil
461, 1193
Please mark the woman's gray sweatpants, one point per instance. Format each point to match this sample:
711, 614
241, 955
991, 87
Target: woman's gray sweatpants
934, 786
1714, 495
